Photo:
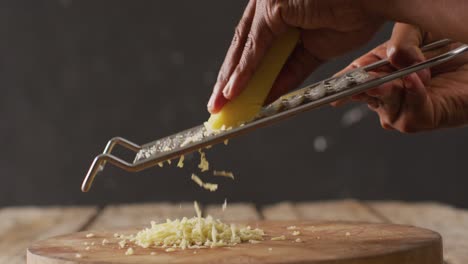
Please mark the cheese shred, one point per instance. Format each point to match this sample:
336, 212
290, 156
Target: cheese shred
204, 164
180, 164
206, 185
227, 174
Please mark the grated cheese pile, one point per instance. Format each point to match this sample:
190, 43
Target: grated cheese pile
195, 232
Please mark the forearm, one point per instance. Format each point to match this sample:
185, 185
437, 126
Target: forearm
444, 18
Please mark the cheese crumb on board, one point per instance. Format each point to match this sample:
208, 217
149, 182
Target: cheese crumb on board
93, 243
296, 233
227, 174
204, 164
298, 240
193, 233
90, 235
180, 164
254, 241
129, 252
291, 227
348, 233
104, 241
85, 243
116, 235
122, 243
169, 161
160, 164
226, 141
78, 255
278, 238
170, 249
153, 253
87, 248
208, 186
270, 249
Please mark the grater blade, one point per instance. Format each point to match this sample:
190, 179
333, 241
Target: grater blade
310, 97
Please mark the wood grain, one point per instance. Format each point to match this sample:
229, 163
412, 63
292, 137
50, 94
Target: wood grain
125, 215
282, 211
450, 222
21, 226
345, 210
323, 242
234, 212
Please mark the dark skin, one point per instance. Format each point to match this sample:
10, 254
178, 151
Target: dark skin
427, 100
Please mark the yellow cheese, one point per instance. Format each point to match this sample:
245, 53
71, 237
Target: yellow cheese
246, 106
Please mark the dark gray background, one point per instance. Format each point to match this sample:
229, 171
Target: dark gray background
73, 74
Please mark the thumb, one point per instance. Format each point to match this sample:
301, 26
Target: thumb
403, 48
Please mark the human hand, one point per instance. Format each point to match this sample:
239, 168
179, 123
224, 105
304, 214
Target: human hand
328, 29
426, 100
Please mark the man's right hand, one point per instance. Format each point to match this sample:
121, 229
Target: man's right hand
430, 99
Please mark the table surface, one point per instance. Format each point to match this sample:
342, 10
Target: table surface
20, 226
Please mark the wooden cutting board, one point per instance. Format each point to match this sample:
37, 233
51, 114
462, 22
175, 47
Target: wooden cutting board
323, 242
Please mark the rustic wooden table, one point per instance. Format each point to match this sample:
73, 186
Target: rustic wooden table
20, 226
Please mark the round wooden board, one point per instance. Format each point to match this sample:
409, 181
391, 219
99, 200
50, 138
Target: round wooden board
323, 242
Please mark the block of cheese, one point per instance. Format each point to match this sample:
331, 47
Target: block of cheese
246, 106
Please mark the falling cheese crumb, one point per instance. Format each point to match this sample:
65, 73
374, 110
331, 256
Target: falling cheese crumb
160, 164
129, 252
169, 161
180, 164
78, 255
90, 235
224, 205
208, 186
197, 209
204, 164
291, 227
278, 238
296, 233
223, 174
226, 141
197, 180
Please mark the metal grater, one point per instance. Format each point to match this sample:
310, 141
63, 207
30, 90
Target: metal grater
310, 97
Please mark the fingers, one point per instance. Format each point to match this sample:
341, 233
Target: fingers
297, 68
369, 58
258, 42
403, 48
217, 99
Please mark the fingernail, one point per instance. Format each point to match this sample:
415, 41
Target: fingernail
390, 52
210, 105
408, 82
228, 88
